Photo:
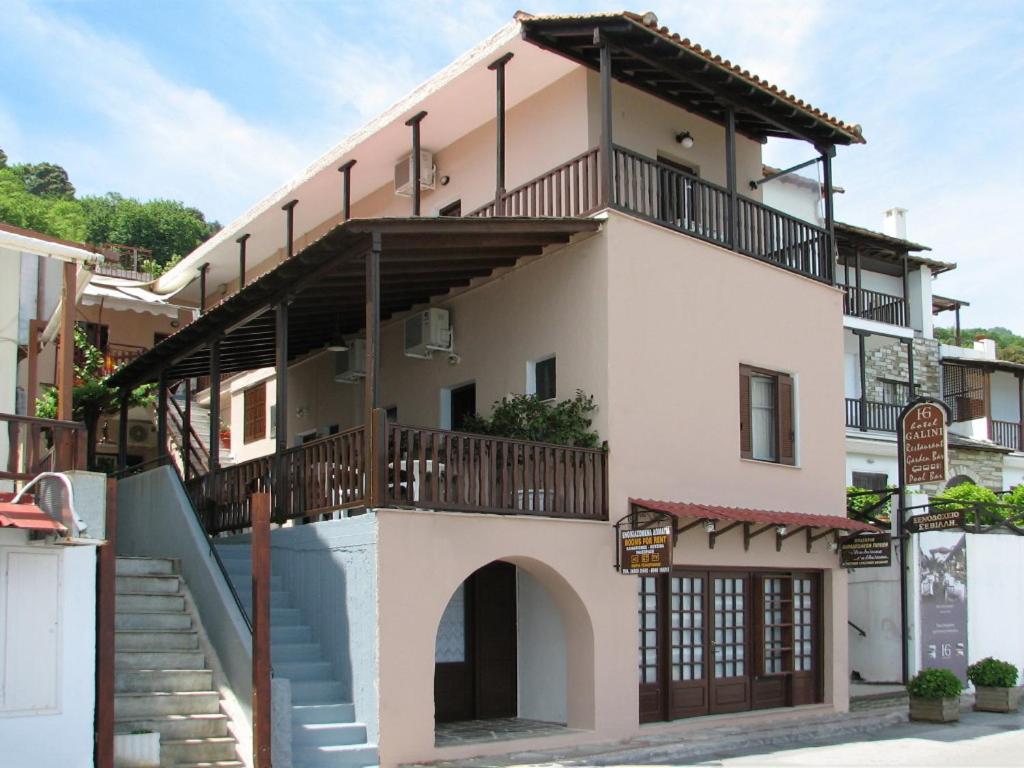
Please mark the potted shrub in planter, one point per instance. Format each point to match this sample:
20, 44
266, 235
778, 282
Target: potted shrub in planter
935, 696
995, 684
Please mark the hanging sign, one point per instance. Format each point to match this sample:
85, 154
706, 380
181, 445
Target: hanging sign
937, 521
923, 440
866, 551
645, 551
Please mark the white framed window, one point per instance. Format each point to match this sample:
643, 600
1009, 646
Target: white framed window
541, 378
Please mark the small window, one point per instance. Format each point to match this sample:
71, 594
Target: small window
541, 379
871, 481
255, 413
462, 405
767, 430
894, 392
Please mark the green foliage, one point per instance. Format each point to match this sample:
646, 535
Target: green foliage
935, 684
971, 497
46, 180
1015, 497
992, 673
524, 417
1009, 346
860, 500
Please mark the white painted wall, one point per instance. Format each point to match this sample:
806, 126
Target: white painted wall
1005, 396
995, 598
61, 735
874, 607
541, 652
794, 194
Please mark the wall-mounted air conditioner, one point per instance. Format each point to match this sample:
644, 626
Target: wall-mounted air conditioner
403, 173
428, 332
350, 365
139, 432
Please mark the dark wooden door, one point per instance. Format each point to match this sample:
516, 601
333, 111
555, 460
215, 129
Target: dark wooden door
463, 405
651, 624
774, 647
730, 637
688, 640
494, 631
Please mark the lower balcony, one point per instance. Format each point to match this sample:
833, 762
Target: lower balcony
410, 467
867, 415
1007, 434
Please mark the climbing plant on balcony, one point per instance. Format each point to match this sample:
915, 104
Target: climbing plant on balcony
525, 417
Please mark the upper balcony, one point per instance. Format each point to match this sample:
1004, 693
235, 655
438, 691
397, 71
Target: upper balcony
985, 395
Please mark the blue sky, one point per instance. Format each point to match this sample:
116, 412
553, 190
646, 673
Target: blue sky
217, 103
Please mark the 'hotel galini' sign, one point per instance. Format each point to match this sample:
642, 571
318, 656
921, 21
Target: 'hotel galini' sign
923, 432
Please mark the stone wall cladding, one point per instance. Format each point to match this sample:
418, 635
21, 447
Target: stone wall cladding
890, 363
985, 468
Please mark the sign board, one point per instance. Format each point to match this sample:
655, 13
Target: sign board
937, 521
923, 436
942, 600
645, 551
866, 551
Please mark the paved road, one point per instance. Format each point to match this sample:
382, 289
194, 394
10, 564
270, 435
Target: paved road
979, 739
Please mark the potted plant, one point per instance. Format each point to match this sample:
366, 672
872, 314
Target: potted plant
935, 696
225, 436
995, 685
138, 749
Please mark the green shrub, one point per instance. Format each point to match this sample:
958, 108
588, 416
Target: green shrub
992, 673
524, 417
970, 497
863, 500
934, 684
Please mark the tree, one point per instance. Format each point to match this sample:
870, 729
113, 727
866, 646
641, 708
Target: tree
3, 159
1009, 346
524, 417
47, 180
91, 396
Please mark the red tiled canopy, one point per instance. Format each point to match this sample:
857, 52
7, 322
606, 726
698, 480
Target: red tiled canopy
739, 514
26, 515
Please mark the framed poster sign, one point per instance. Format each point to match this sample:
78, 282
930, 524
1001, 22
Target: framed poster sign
922, 435
645, 551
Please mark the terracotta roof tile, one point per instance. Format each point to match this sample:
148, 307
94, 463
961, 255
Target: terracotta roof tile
745, 515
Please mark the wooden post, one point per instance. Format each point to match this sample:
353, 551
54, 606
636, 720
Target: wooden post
906, 293
186, 431
607, 157
371, 383
289, 227
106, 572
202, 288
857, 276
414, 122
122, 431
35, 327
161, 415
498, 67
281, 412
261, 692
346, 189
241, 260
66, 358
861, 352
910, 369
377, 441
214, 409
730, 177
957, 315
827, 153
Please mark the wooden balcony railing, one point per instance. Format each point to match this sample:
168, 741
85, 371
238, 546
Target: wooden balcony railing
571, 189
874, 305
42, 445
881, 417
117, 355
419, 468
1007, 434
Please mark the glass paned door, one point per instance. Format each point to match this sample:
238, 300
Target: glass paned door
730, 681
688, 642
649, 623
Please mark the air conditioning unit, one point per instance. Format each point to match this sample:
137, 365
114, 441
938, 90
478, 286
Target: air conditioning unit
139, 432
403, 173
428, 332
350, 365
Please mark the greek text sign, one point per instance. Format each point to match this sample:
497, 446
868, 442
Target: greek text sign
923, 429
936, 521
871, 551
646, 551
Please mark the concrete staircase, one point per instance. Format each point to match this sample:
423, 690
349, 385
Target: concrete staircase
163, 682
324, 731
199, 416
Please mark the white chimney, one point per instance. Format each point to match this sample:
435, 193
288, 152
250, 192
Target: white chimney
987, 347
894, 223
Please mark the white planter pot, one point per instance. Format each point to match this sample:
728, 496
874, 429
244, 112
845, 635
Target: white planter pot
137, 750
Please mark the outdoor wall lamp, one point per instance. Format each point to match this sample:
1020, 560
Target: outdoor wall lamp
781, 530
685, 139
709, 526
833, 546
337, 344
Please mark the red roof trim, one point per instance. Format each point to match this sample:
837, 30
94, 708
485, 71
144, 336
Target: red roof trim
739, 514
28, 517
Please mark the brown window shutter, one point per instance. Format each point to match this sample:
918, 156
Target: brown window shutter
787, 427
746, 438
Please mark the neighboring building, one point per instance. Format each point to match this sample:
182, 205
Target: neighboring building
610, 251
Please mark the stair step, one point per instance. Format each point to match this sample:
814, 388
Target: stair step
155, 680
278, 598
285, 617
135, 705
144, 566
299, 633
285, 652
322, 713
215, 764
176, 751
328, 734
303, 670
152, 620
177, 726
130, 602
159, 660
316, 692
164, 640
149, 585
345, 756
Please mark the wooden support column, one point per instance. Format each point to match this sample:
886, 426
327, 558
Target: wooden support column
906, 293
35, 328
202, 288
186, 431
417, 172
957, 315
281, 412
214, 409
498, 67
66, 358
857, 275
261, 690
607, 147
241, 260
371, 397
346, 189
730, 177
862, 355
289, 227
827, 153
910, 369
161, 415
106, 572
122, 431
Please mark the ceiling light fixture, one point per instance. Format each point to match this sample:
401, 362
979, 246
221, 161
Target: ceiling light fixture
685, 139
